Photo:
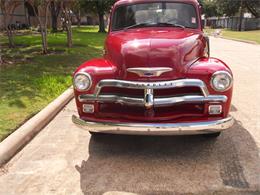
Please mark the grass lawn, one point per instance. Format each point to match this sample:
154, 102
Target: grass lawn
253, 35
35, 80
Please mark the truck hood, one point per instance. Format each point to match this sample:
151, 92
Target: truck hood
154, 47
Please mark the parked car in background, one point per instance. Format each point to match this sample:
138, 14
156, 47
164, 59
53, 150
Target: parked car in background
156, 76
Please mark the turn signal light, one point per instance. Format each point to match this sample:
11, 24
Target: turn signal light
88, 108
215, 109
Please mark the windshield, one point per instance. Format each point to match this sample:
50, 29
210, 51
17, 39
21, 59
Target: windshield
154, 13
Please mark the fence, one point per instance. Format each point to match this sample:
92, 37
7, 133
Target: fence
232, 23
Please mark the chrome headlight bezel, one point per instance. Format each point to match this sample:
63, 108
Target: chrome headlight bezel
87, 76
221, 73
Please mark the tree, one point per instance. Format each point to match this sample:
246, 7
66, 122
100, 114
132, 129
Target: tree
227, 7
41, 8
8, 7
100, 7
253, 6
67, 13
231, 8
209, 8
55, 7
78, 10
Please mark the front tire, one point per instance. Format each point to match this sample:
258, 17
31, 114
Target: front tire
212, 135
93, 133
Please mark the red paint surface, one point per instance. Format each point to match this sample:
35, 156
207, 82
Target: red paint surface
180, 49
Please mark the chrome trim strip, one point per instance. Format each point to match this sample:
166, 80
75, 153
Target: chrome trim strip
149, 71
152, 85
157, 102
112, 98
156, 128
194, 98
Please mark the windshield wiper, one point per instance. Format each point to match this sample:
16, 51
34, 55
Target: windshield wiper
154, 24
138, 25
171, 24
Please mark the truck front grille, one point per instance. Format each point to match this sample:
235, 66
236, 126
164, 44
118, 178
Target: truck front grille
158, 93
151, 94
137, 113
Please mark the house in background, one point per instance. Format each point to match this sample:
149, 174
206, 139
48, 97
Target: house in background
19, 16
24, 17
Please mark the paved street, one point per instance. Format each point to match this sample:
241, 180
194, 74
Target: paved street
63, 159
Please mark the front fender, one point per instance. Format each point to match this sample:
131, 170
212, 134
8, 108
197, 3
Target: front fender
203, 69
98, 69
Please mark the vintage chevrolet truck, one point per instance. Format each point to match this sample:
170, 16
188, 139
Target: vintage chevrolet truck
156, 76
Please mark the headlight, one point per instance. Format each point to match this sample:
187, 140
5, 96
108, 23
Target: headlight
82, 81
221, 81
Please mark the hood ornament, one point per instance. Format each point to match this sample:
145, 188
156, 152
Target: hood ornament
149, 72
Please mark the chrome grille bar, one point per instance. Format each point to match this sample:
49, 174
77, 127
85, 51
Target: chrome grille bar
157, 102
152, 85
149, 100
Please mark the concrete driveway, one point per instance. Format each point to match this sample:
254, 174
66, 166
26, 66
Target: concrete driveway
64, 159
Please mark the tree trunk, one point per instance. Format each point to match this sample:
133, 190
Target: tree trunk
241, 16
69, 30
44, 40
78, 17
54, 22
10, 37
69, 36
54, 10
79, 22
1, 60
8, 31
43, 26
67, 21
101, 23
53, 17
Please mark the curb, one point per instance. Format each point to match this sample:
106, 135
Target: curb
23, 135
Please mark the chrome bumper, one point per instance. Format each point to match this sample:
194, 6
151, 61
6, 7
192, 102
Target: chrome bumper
155, 128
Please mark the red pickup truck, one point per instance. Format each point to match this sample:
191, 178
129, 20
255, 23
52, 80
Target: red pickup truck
156, 76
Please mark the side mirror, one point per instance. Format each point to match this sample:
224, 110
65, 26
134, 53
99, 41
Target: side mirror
201, 9
202, 18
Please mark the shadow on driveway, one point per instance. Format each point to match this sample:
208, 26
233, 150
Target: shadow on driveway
172, 164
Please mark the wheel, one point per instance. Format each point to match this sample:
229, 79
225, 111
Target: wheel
212, 135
